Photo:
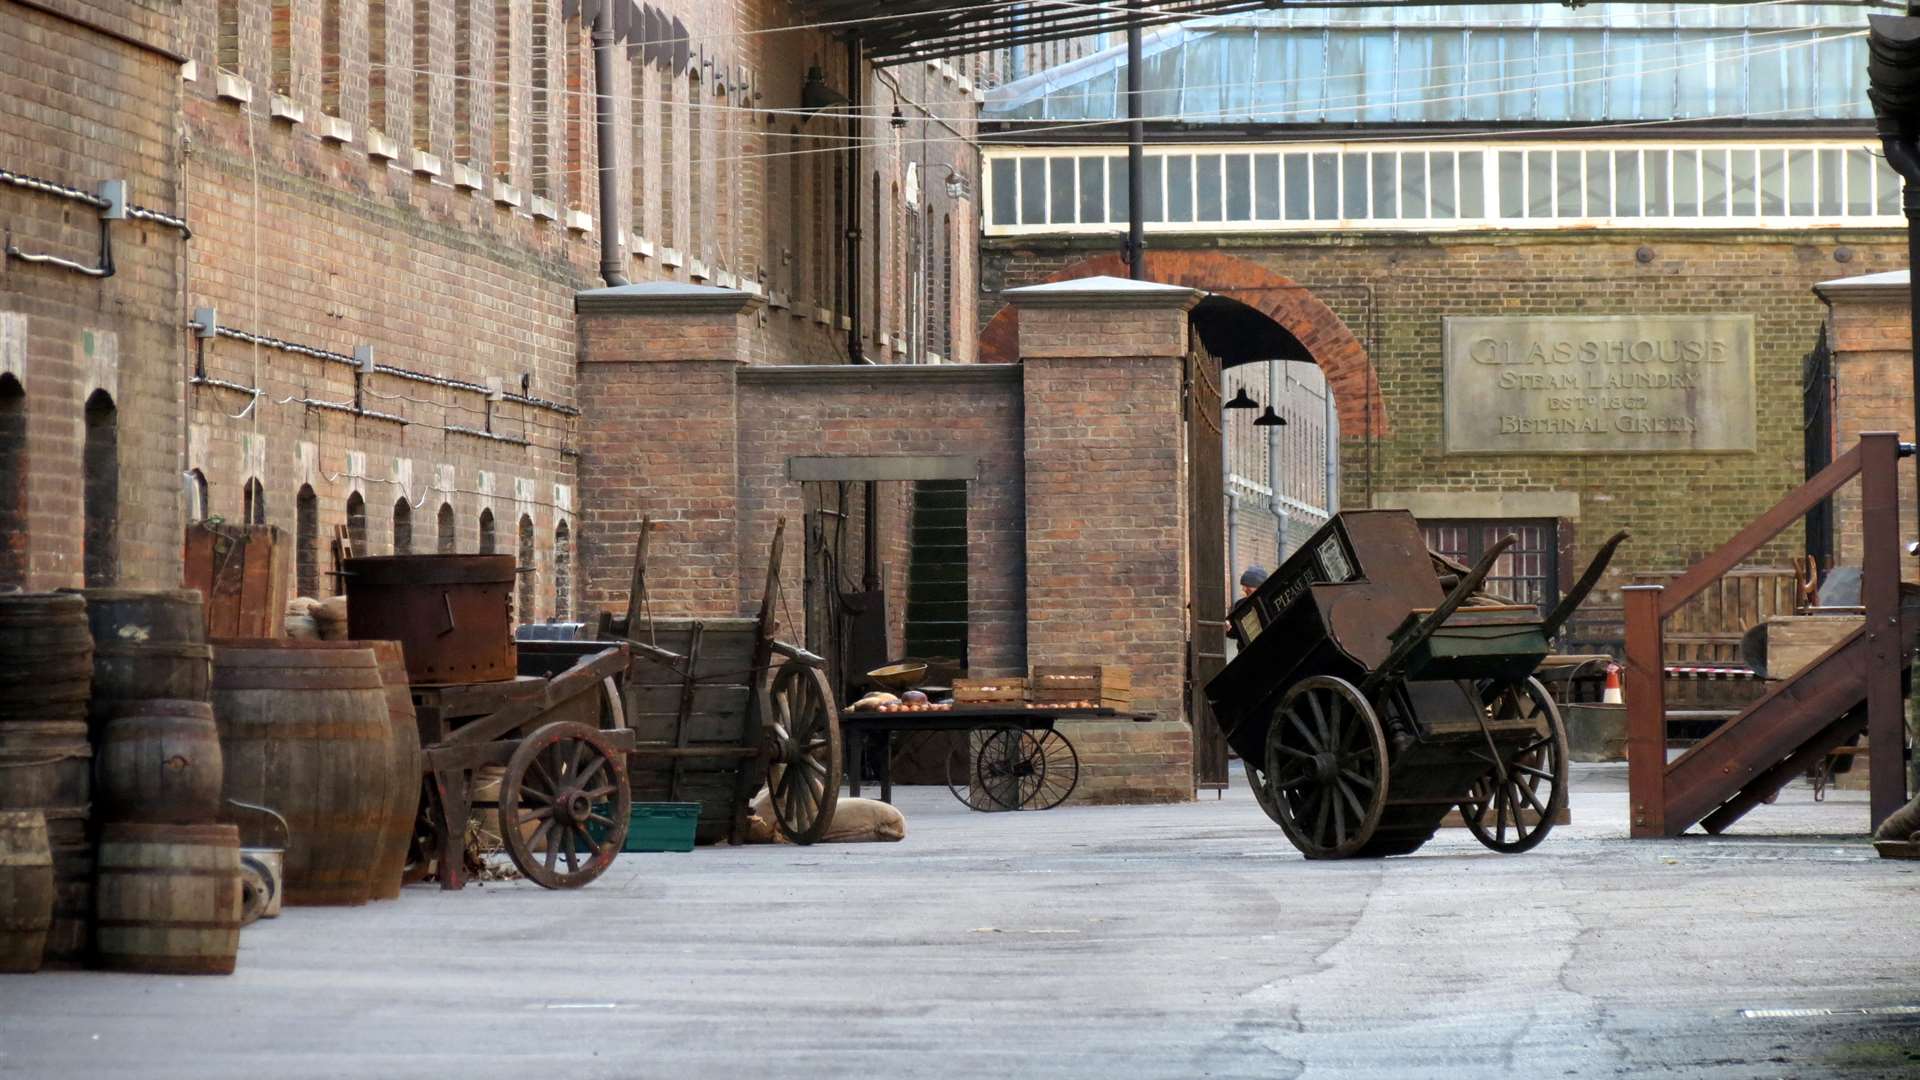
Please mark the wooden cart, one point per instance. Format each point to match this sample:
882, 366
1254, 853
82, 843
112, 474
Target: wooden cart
719, 707
564, 801
1367, 702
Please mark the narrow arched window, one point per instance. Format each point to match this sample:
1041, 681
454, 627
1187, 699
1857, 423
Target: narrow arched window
198, 492
528, 582
448, 542
253, 503
402, 526
563, 573
13, 481
100, 495
306, 541
357, 524
486, 532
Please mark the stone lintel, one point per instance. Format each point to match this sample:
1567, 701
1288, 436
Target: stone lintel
884, 467
1564, 505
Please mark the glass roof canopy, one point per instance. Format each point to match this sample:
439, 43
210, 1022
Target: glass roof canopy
1475, 64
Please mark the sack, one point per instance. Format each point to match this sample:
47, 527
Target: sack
855, 821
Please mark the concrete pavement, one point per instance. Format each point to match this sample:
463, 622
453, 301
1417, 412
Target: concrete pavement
1171, 941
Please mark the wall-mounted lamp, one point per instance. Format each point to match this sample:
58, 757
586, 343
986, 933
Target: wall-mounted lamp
956, 182
899, 119
1241, 401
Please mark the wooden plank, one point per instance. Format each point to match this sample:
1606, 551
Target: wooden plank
727, 729
725, 699
1887, 642
1646, 711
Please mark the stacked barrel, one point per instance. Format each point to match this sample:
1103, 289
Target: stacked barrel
46, 669
308, 728
167, 882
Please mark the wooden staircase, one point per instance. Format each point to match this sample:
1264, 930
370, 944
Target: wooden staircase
1855, 685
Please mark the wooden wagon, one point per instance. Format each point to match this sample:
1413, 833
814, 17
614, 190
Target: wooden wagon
1368, 701
719, 707
559, 737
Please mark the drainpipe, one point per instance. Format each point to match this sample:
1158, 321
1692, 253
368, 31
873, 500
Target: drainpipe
855, 185
613, 260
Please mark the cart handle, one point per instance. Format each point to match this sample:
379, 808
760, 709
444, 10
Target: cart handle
1389, 668
1575, 596
799, 655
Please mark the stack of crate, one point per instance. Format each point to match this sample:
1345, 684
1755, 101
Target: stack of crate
1103, 686
991, 690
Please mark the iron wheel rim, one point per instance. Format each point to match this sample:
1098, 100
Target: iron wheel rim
563, 781
1326, 767
1540, 761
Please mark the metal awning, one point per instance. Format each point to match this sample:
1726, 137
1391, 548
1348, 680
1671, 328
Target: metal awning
898, 31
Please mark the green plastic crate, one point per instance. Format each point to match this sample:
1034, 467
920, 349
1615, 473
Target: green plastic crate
662, 826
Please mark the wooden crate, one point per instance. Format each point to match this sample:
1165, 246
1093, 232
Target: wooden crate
990, 690
244, 573
1784, 644
1107, 685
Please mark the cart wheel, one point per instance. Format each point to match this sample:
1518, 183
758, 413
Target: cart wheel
564, 799
1536, 775
1009, 768
1327, 767
1262, 794
1057, 765
989, 791
803, 747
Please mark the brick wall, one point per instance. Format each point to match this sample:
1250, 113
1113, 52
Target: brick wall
78, 107
1392, 292
973, 411
1870, 333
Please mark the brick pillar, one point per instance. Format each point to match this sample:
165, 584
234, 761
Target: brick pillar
658, 437
1106, 524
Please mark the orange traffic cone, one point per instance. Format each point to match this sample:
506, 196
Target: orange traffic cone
1610, 694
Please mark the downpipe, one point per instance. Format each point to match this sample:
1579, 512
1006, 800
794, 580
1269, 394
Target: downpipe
613, 261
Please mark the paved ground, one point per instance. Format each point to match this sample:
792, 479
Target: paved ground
1182, 941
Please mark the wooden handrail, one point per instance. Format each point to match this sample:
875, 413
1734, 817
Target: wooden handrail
1762, 529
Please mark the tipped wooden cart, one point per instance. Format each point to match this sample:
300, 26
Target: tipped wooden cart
715, 716
1367, 701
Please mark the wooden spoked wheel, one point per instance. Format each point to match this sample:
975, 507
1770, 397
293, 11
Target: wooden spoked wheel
803, 753
1326, 767
1055, 763
985, 769
1514, 805
1262, 793
564, 805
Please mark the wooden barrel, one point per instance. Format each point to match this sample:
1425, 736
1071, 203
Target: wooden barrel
46, 767
159, 763
145, 670
304, 729
46, 667
26, 890
404, 766
167, 898
145, 615
69, 934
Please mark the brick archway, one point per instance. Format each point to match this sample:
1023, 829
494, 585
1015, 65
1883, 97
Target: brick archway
1335, 349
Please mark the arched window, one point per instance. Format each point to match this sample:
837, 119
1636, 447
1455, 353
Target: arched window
201, 508
562, 573
306, 541
253, 508
527, 577
357, 524
875, 255
402, 526
13, 481
486, 532
100, 494
448, 542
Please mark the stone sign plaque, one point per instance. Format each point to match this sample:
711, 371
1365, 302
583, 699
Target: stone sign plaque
1599, 384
